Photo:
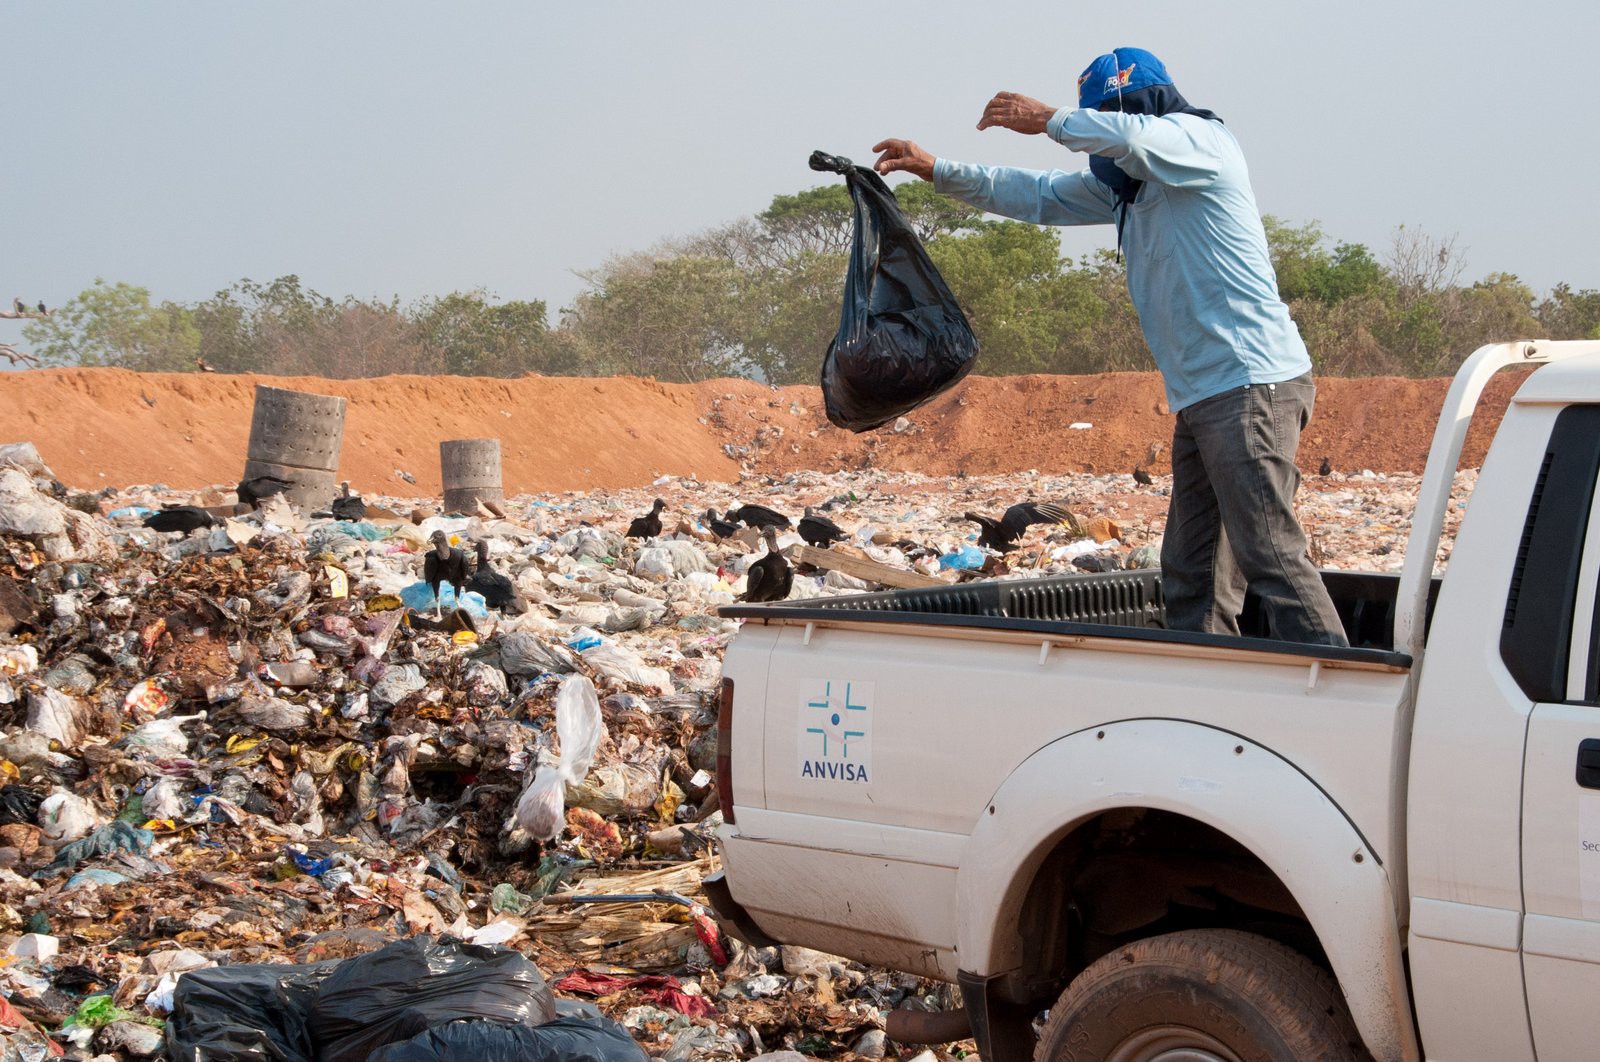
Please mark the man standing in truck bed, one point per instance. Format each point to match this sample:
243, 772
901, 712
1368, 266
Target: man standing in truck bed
1173, 180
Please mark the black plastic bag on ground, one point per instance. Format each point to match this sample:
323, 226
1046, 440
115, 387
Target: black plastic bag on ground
244, 1013
903, 339
408, 987
570, 1038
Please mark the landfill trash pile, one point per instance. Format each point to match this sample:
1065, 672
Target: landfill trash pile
268, 742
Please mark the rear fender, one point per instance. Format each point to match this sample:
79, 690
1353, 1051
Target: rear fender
1209, 775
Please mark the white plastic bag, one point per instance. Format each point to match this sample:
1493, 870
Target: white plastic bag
65, 817
541, 810
162, 738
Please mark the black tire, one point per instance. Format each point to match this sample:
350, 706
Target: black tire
1219, 993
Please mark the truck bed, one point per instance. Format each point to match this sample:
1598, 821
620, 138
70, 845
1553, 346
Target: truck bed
1126, 604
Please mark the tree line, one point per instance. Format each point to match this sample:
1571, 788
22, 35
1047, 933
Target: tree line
760, 297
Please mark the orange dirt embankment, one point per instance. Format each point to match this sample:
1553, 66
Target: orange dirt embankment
100, 427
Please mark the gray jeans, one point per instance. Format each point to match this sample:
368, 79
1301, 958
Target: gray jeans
1231, 523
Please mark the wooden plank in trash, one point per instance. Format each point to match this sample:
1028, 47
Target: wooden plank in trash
862, 568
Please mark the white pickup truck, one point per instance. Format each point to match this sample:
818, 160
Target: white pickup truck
1190, 846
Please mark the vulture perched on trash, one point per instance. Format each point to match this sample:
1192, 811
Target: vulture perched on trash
444, 564
718, 526
254, 491
1002, 534
759, 516
184, 518
498, 590
648, 525
769, 578
348, 506
820, 531
1141, 477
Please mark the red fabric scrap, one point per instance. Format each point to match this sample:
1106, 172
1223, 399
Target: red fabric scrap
658, 988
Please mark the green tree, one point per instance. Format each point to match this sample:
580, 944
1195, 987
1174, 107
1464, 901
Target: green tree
674, 317
1569, 314
1024, 307
464, 334
116, 324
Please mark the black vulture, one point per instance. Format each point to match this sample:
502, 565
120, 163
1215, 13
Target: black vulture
1141, 477
1002, 534
254, 491
444, 564
497, 590
1326, 468
348, 506
769, 578
649, 525
759, 516
41, 307
718, 526
820, 531
184, 518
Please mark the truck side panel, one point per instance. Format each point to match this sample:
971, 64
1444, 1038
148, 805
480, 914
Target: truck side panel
1216, 778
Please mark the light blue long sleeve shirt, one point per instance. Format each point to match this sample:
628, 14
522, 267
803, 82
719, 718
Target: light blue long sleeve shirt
1198, 269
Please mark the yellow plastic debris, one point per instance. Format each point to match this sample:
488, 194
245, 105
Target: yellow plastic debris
239, 743
338, 581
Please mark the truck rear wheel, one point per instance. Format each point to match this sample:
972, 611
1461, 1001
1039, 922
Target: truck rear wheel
1204, 995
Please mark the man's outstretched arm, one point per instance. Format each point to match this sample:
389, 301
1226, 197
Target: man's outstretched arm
1043, 197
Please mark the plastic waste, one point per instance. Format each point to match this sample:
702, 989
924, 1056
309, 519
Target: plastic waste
112, 837
579, 727
390, 995
398, 682
271, 713
418, 597
162, 738
244, 1013
93, 876
966, 559
65, 817
1144, 557
525, 653
57, 716
18, 660
566, 1039
624, 665
617, 789
18, 803
903, 338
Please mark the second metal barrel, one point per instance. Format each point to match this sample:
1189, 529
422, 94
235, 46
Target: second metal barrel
297, 436
470, 469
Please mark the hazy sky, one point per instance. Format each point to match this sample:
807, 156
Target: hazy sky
410, 149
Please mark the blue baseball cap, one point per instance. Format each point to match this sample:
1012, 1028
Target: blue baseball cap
1124, 70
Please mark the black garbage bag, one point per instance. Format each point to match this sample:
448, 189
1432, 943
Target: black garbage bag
902, 338
244, 1013
408, 987
18, 803
573, 1037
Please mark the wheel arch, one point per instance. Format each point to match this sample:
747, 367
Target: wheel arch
1221, 783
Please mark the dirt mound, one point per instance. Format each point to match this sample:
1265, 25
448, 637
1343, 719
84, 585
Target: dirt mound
997, 424
100, 427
